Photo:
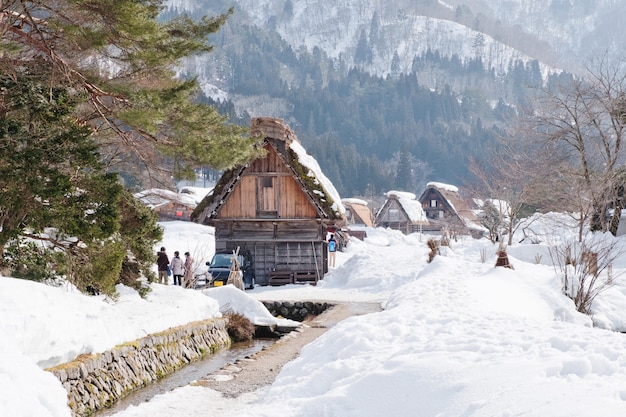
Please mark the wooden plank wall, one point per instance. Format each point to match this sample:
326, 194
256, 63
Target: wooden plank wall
270, 163
302, 257
264, 231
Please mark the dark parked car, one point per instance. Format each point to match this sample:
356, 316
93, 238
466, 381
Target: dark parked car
219, 267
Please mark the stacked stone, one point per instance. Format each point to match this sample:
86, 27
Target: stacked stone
97, 381
295, 310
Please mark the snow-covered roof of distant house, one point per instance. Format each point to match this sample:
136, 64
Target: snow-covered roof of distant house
501, 205
411, 206
353, 200
361, 214
198, 193
157, 197
401, 194
443, 186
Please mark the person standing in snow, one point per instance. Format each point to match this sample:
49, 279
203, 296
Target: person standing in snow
188, 279
332, 249
162, 264
177, 268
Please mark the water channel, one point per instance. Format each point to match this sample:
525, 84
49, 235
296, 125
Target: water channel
192, 372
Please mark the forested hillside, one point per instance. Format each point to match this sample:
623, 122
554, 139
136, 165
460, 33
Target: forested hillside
369, 133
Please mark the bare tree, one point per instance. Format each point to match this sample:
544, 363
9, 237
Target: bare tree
507, 186
583, 124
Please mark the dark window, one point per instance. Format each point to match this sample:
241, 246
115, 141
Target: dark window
267, 197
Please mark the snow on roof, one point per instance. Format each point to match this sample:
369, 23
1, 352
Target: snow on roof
501, 205
157, 197
472, 225
401, 194
411, 206
443, 186
198, 193
414, 210
354, 201
311, 163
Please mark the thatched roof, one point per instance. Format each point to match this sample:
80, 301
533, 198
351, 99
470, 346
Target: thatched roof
361, 214
461, 207
304, 168
157, 197
409, 207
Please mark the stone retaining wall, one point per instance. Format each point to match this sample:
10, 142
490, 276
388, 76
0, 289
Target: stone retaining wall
97, 381
296, 310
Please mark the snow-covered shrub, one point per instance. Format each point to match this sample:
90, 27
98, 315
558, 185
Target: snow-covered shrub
585, 267
32, 261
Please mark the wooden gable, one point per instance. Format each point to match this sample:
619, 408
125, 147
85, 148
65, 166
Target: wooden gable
267, 189
447, 210
392, 212
435, 205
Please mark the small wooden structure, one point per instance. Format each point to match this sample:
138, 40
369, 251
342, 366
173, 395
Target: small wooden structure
235, 277
402, 212
279, 207
447, 210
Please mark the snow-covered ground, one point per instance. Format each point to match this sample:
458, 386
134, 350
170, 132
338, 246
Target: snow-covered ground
456, 337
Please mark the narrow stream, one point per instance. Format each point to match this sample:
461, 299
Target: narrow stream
189, 373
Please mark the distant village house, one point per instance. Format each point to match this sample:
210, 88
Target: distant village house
169, 205
359, 216
447, 210
402, 212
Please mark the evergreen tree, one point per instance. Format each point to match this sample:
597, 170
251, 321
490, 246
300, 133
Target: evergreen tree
362, 55
395, 65
117, 59
404, 172
55, 190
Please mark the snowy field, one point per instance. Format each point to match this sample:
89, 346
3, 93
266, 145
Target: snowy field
457, 337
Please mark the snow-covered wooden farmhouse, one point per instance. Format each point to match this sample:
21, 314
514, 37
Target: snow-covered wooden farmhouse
279, 207
447, 210
402, 212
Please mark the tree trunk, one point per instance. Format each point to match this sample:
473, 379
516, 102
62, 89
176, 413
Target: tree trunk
617, 214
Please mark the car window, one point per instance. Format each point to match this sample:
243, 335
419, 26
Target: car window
223, 260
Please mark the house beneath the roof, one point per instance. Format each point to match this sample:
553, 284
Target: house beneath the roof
446, 210
359, 217
169, 205
278, 207
402, 212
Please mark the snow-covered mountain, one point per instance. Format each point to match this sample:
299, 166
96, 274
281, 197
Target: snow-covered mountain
574, 29
559, 33
390, 28
480, 60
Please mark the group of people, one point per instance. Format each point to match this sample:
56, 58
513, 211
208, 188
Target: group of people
181, 271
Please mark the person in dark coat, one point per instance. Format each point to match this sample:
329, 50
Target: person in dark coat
162, 263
